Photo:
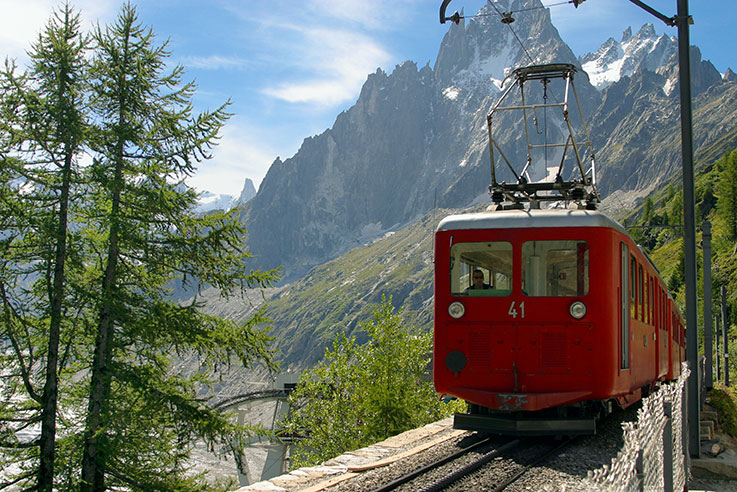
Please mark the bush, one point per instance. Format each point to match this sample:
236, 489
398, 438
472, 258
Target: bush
361, 394
724, 400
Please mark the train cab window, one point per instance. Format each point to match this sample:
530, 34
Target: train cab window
490, 260
555, 268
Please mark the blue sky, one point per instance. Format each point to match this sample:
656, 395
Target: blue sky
291, 66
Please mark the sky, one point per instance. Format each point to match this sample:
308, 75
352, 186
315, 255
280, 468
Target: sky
290, 67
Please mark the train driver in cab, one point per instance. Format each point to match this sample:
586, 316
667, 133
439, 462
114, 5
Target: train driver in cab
478, 281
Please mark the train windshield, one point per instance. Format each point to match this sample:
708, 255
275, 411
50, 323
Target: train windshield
555, 268
481, 269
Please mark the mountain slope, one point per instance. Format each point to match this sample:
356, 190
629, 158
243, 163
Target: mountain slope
637, 128
336, 296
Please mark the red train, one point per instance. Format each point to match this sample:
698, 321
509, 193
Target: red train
547, 319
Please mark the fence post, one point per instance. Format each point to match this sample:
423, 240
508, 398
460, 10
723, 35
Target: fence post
708, 323
640, 470
717, 332
668, 447
725, 340
684, 429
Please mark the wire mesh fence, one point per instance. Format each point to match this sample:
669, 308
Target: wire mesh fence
653, 457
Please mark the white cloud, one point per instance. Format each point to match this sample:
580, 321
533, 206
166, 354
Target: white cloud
22, 21
324, 49
337, 63
213, 62
373, 15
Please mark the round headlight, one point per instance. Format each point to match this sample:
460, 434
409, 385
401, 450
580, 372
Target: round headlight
456, 310
578, 309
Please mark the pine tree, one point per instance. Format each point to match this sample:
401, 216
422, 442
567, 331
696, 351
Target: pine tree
648, 211
397, 389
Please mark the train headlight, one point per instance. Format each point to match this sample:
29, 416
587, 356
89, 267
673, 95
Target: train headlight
578, 309
456, 310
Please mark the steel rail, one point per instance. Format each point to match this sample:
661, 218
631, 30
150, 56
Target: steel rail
502, 486
425, 469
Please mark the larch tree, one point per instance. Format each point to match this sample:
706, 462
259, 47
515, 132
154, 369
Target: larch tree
143, 234
89, 330
43, 138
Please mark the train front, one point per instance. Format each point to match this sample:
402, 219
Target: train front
515, 319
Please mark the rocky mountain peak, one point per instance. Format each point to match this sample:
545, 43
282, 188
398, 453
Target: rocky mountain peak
248, 192
647, 31
613, 60
609, 52
478, 54
703, 74
627, 35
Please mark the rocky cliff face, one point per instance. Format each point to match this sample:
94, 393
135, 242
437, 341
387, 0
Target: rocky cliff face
416, 138
248, 192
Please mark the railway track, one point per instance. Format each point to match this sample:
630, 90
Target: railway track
488, 460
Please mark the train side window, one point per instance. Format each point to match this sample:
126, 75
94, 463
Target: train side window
633, 287
492, 259
646, 301
640, 299
555, 268
651, 302
624, 329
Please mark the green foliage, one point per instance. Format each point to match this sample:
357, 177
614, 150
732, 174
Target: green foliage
358, 395
706, 200
88, 255
677, 278
724, 400
648, 210
715, 193
727, 192
670, 193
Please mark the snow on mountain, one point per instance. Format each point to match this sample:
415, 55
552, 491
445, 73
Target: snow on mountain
217, 201
489, 65
614, 60
214, 201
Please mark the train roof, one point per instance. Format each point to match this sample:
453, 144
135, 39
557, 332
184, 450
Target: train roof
522, 219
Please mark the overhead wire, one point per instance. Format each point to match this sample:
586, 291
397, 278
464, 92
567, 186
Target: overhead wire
507, 15
521, 10
510, 28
